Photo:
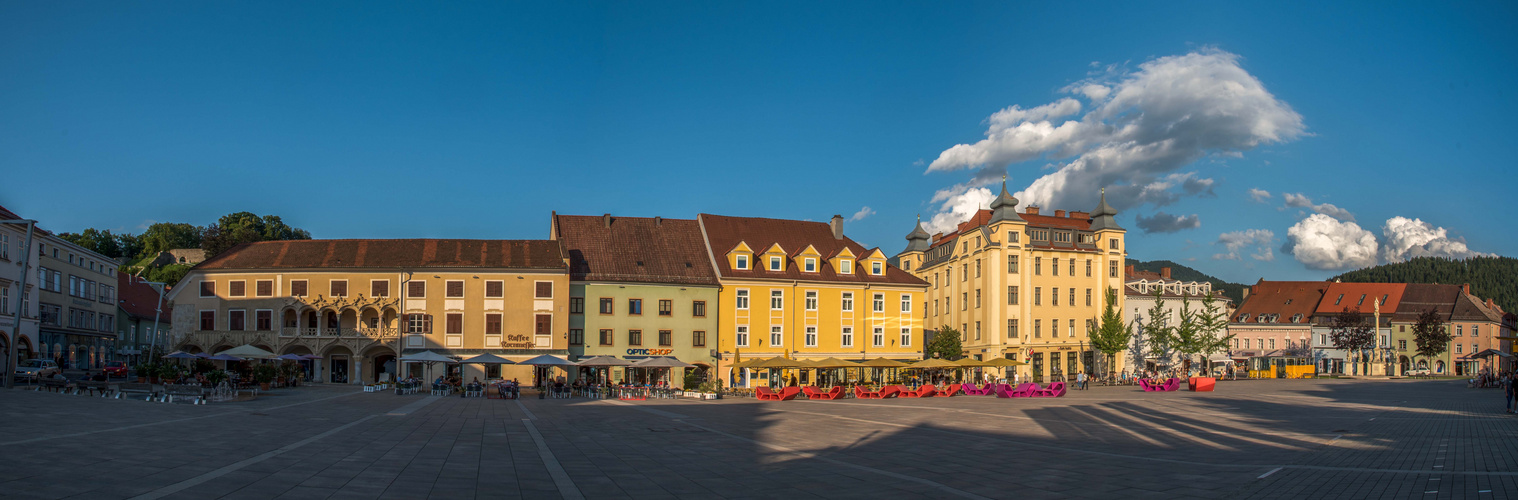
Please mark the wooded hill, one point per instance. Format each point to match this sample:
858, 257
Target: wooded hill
1233, 291
1493, 278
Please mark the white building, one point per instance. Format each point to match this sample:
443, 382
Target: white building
12, 241
1140, 287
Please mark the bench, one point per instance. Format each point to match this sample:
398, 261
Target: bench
195, 393
135, 388
103, 389
53, 385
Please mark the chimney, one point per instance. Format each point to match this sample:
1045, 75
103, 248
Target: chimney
1131, 270
1031, 210
1490, 305
1245, 292
606, 220
658, 221
1164, 273
1467, 288
837, 224
1059, 213
1080, 215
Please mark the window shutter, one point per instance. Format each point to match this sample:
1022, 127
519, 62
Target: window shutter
455, 289
298, 288
544, 322
339, 288
427, 324
492, 324
237, 288
455, 323
265, 288
416, 289
207, 288
379, 288
494, 289
545, 289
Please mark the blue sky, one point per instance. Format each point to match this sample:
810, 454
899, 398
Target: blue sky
475, 119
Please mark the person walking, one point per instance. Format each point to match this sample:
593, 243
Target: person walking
1080, 380
1507, 387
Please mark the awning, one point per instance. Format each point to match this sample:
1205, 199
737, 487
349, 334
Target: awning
247, 351
428, 357
1491, 352
488, 359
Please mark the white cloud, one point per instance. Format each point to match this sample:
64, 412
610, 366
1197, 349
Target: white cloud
1259, 195
1260, 240
1162, 222
862, 213
957, 208
1322, 242
1302, 201
1408, 238
1141, 128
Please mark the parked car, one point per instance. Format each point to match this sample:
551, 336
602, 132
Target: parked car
32, 369
115, 369
1417, 372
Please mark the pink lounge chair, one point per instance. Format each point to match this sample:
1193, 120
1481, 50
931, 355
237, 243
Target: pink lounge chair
1172, 385
1055, 389
971, 390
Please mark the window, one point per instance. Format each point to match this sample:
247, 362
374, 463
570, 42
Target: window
741, 299
666, 338
964, 301
1054, 266
742, 335
1038, 294
845, 266
977, 298
811, 336
1072, 266
1338, 300
1088, 297
977, 268
1112, 244
576, 304
1012, 263
543, 290
1038, 266
1459, 330
776, 337
811, 300
1475, 330
606, 337
777, 299
877, 268
416, 289
848, 336
576, 336
1038, 328
847, 302
208, 289
1072, 298
339, 288
455, 324
1012, 236
265, 288
379, 288
698, 338
1459, 348
906, 337
774, 263
1362, 300
418, 323
635, 307
878, 339
906, 303
493, 324
1012, 295
237, 288
635, 337
977, 330
1112, 268
497, 289
1088, 268
1070, 329
453, 289
811, 265
879, 303
5, 301
698, 308
1402, 345
964, 273
263, 320
1246, 343
1054, 328
1011, 328
1272, 343
298, 288
666, 307
606, 306
208, 320
741, 262
1054, 296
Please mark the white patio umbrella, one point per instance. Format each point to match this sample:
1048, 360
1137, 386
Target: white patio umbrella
247, 351
604, 362
428, 357
661, 362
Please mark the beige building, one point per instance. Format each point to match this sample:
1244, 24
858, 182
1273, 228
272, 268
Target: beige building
359, 304
1026, 286
76, 303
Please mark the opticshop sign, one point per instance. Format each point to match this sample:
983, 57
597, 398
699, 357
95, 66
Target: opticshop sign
650, 352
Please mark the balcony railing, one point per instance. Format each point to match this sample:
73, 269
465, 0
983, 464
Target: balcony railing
365, 332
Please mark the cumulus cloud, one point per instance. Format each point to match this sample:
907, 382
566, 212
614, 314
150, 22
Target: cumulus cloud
1300, 200
1408, 238
1323, 242
1259, 195
1141, 127
1165, 223
957, 208
862, 213
1256, 241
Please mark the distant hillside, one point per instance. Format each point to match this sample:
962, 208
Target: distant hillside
1231, 290
1493, 278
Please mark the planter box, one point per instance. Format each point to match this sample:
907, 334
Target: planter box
701, 395
1201, 384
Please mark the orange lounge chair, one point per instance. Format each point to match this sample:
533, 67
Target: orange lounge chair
789, 393
926, 391
949, 392
810, 392
765, 394
831, 394
889, 391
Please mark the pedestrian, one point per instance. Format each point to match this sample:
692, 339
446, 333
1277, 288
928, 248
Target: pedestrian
1507, 384
1080, 380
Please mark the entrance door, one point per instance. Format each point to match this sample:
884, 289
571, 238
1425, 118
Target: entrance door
339, 370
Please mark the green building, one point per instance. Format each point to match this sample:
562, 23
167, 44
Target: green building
640, 287
137, 306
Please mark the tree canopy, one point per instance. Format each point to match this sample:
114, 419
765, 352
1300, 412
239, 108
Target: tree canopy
246, 227
94, 240
1490, 277
1429, 335
945, 343
1111, 335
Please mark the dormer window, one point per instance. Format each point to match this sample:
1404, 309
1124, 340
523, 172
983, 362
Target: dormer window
1244, 318
845, 266
810, 265
742, 263
877, 268
775, 263
1296, 318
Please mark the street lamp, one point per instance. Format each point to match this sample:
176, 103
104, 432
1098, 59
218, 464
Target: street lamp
10, 347
153, 342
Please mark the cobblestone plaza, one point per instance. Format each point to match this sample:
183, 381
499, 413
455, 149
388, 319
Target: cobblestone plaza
1250, 439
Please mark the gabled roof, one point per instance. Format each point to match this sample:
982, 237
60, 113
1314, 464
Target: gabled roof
1284, 298
1049, 221
1420, 297
725, 232
6, 214
1469, 308
420, 253
1352, 293
635, 250
140, 300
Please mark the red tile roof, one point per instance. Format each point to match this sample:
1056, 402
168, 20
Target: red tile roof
1353, 292
421, 253
6, 214
139, 299
635, 249
723, 233
1060, 222
1283, 298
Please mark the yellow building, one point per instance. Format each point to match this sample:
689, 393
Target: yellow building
804, 290
360, 303
1026, 286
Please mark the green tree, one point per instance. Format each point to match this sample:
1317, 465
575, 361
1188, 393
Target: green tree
1430, 335
1212, 328
165, 236
1351, 332
945, 343
95, 240
1186, 335
1111, 335
1158, 332
130, 245
246, 227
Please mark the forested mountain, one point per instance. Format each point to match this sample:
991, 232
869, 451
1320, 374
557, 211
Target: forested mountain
1231, 290
1493, 278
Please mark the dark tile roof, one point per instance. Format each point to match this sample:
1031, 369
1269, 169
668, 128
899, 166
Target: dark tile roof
1470, 308
6, 214
635, 249
1352, 293
1284, 298
723, 233
139, 299
420, 253
1421, 297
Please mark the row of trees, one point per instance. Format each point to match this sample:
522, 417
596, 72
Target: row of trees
1353, 331
228, 231
1193, 333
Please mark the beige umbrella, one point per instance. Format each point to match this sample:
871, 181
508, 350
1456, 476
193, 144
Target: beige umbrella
247, 351
972, 363
934, 363
1003, 362
777, 362
883, 363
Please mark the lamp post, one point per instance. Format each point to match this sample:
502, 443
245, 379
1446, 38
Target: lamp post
10, 347
153, 342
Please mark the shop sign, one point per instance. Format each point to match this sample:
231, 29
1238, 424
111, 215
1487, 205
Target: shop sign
517, 341
650, 352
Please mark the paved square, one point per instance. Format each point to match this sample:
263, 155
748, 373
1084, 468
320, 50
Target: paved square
1250, 439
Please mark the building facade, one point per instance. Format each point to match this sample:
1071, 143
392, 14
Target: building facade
1418, 298
1475, 326
138, 318
1140, 289
1378, 303
1275, 319
76, 304
639, 287
804, 290
12, 296
1024, 286
361, 304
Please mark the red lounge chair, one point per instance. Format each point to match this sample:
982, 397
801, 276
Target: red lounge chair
1201, 384
765, 394
950, 391
789, 393
810, 392
926, 391
889, 391
831, 394
860, 393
